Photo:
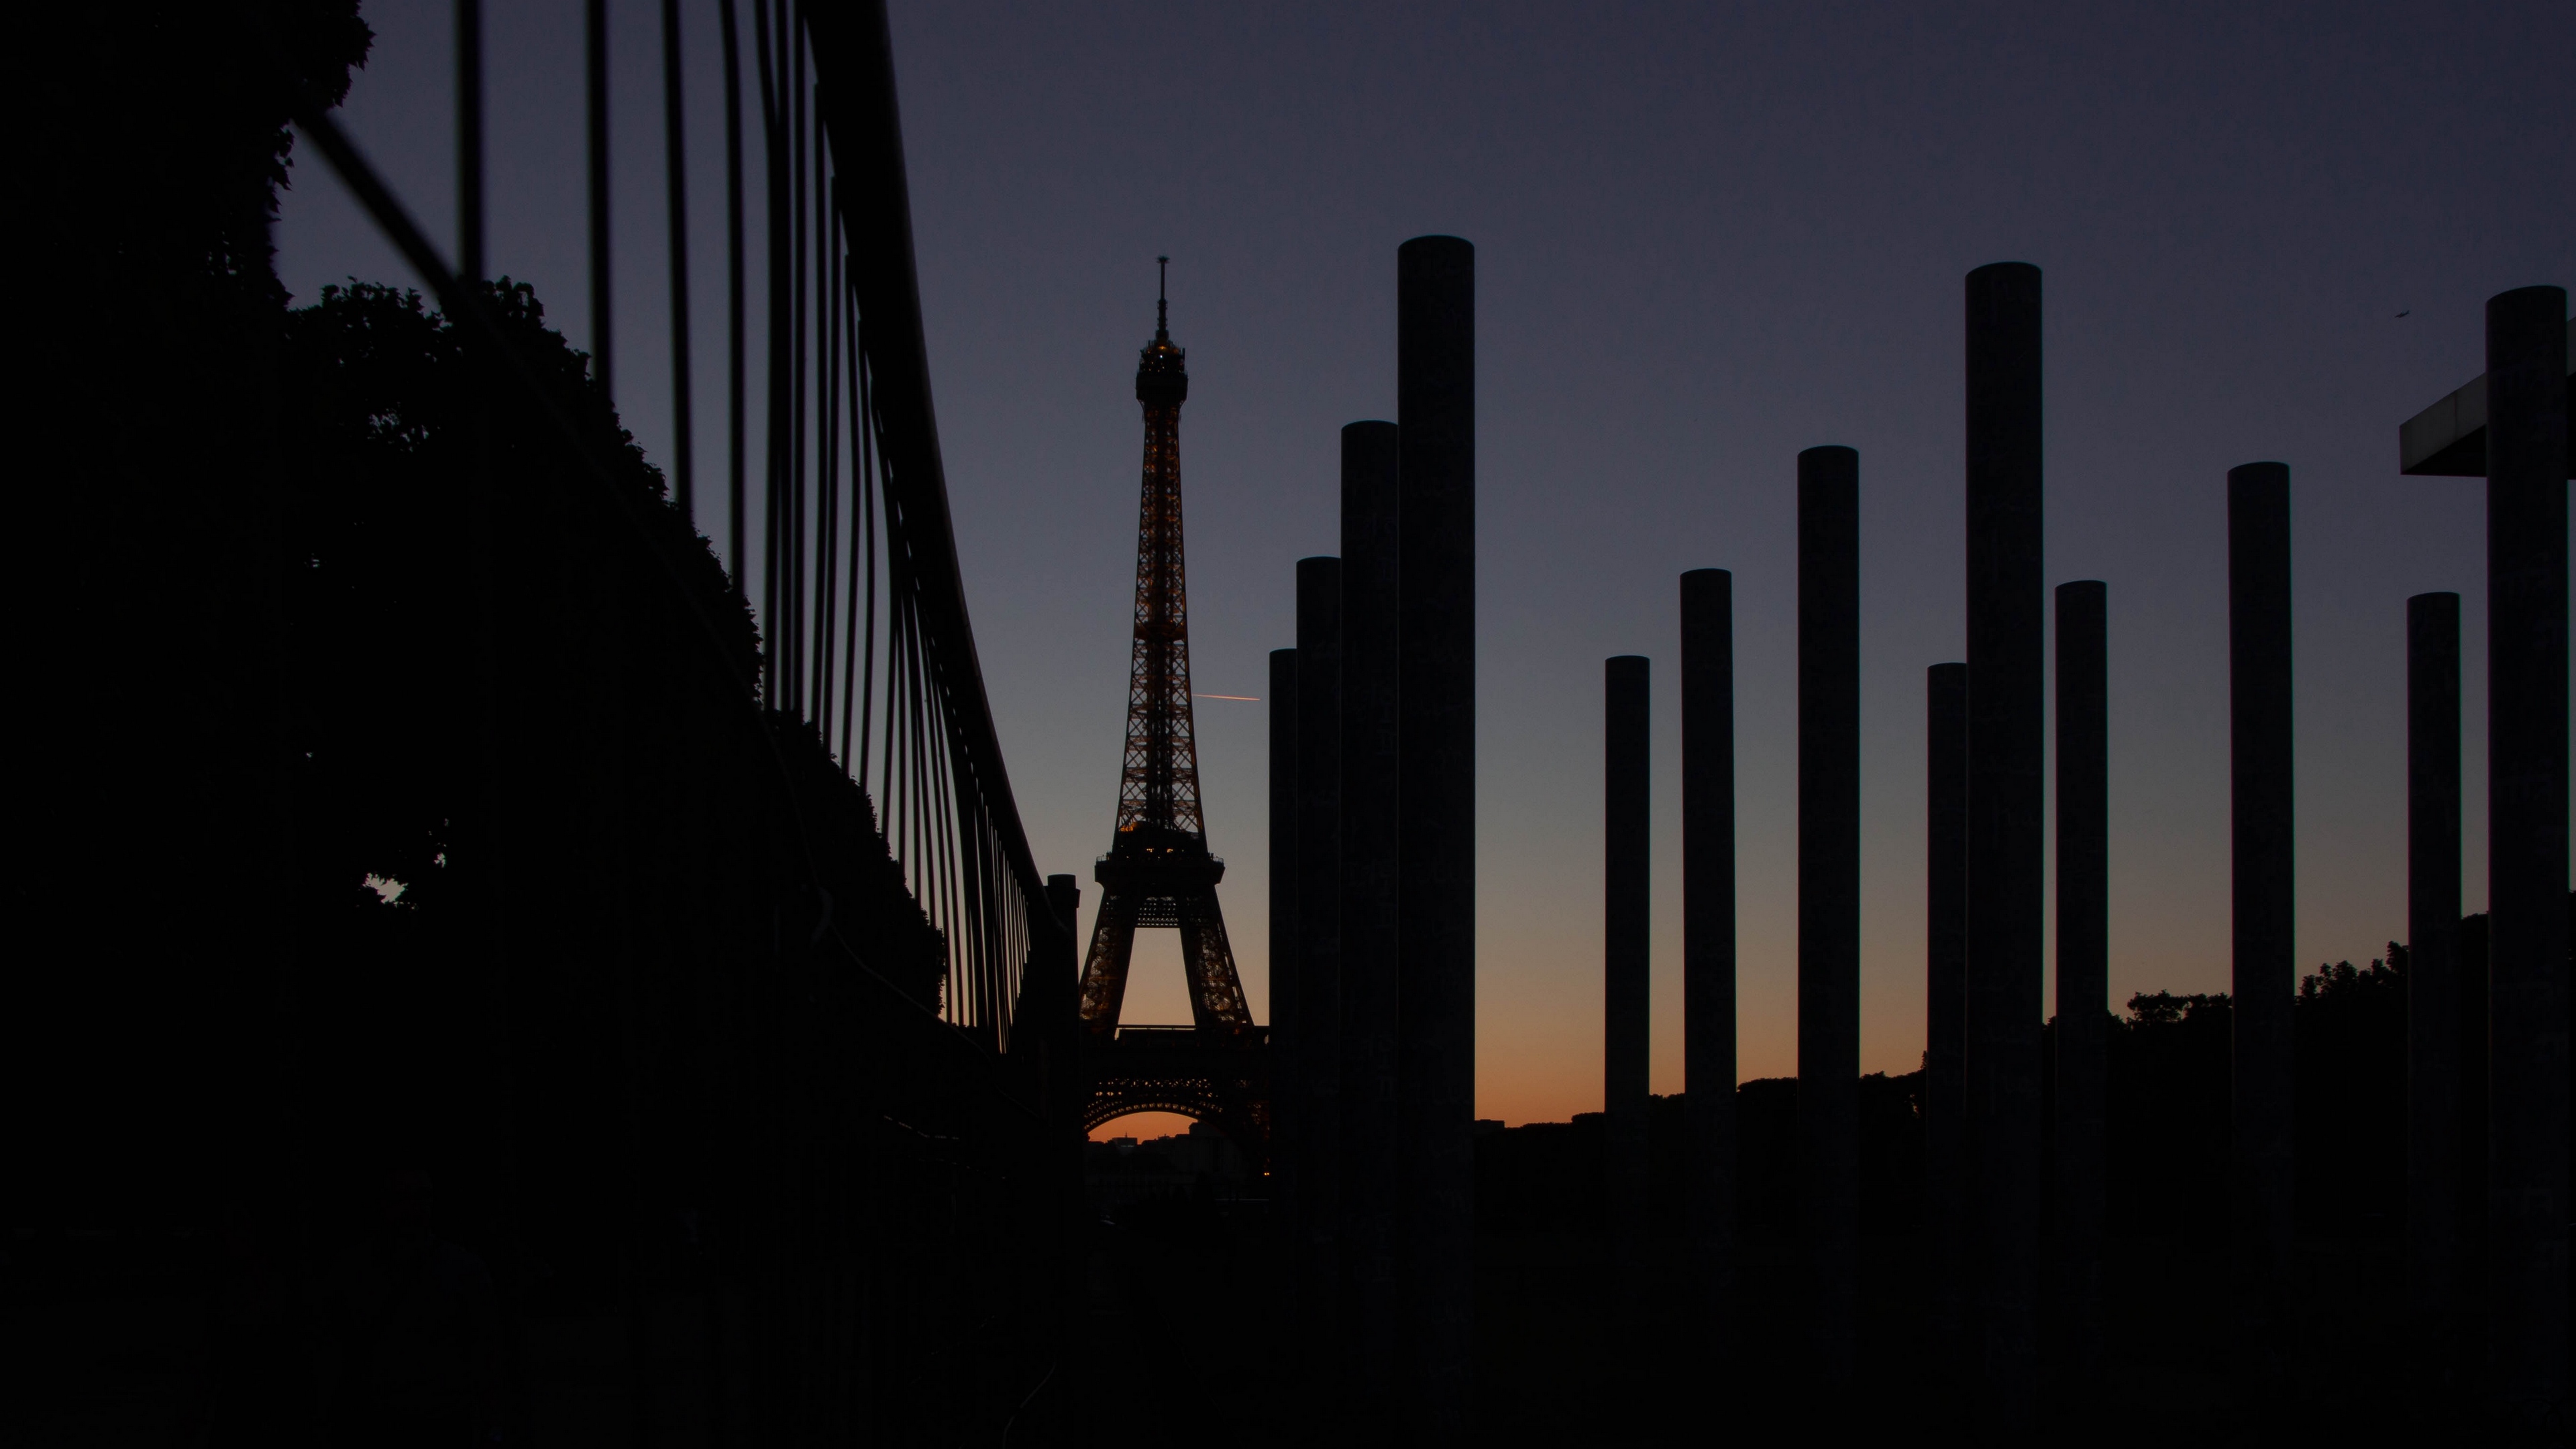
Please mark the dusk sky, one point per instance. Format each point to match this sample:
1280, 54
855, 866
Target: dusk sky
1707, 237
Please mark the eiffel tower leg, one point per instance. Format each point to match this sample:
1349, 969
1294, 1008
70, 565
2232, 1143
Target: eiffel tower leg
1216, 991
1104, 969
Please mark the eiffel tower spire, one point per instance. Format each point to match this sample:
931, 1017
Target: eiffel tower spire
1158, 871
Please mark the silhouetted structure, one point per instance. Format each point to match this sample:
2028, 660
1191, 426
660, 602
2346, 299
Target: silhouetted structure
1372, 784
1287, 1106
534, 892
1158, 871
1318, 1064
2527, 470
1829, 903
2510, 425
1435, 386
2433, 996
2265, 942
1626, 904
2083, 975
1945, 1015
2007, 735
1708, 946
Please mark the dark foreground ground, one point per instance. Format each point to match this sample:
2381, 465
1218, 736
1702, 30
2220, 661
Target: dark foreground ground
1186, 1347
1183, 1349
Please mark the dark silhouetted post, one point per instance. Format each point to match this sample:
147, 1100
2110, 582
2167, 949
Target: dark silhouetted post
1435, 387
1945, 1014
595, 92
1287, 1100
2083, 974
2266, 971
1708, 949
1059, 1000
2527, 857
2433, 997
1829, 899
1319, 965
2007, 834
1626, 903
1371, 785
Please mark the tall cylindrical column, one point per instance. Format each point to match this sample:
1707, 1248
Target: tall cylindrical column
2007, 834
1708, 950
1371, 783
2265, 893
1287, 1106
1829, 900
2083, 973
2527, 856
2433, 997
1945, 1012
1626, 903
1319, 963
1435, 386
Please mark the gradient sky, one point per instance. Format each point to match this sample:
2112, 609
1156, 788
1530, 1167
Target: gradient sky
1708, 236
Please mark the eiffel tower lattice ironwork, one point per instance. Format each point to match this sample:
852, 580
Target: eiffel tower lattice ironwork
1158, 872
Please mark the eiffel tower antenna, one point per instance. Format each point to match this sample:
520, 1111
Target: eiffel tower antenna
1158, 872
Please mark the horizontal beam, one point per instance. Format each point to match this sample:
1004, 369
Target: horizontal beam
2449, 439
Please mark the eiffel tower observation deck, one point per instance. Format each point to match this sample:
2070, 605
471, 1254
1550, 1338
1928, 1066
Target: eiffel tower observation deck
1158, 872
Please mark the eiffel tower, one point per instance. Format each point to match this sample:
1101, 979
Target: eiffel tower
1158, 872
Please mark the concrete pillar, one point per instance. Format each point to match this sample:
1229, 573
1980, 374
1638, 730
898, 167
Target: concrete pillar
1435, 387
1829, 901
2083, 974
1287, 1110
2527, 857
1370, 787
1945, 1014
1319, 969
1626, 901
2433, 999
2261, 1162
2007, 837
1708, 951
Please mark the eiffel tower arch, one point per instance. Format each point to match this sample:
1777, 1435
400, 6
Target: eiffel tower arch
1158, 872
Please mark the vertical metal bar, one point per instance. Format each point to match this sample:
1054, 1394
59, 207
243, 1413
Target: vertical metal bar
2265, 941
827, 487
853, 366
1708, 952
595, 94
469, 139
869, 462
736, 358
2083, 974
675, 190
800, 596
2433, 1082
775, 650
1829, 909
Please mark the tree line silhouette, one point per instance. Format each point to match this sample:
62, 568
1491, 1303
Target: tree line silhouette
2167, 1119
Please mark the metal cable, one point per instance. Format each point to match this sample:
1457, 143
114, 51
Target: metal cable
595, 87
675, 190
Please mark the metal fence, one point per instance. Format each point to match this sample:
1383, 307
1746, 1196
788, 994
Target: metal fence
865, 631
